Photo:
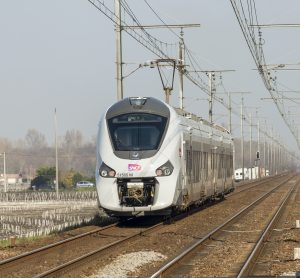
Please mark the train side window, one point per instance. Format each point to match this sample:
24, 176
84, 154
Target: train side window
228, 166
206, 165
200, 160
196, 166
188, 161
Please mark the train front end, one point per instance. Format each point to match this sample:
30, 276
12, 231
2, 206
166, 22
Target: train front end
137, 170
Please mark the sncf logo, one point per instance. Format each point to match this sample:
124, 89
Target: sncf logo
134, 167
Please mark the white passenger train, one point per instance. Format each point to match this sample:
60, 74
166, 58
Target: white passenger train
153, 159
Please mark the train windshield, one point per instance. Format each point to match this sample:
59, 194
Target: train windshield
136, 131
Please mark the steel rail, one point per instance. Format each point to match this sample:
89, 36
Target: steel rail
249, 263
53, 245
188, 250
71, 264
5, 263
84, 257
254, 183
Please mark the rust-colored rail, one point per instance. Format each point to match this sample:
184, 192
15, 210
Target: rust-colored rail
8, 264
252, 258
167, 269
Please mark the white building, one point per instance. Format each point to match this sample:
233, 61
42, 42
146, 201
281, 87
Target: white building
11, 179
238, 174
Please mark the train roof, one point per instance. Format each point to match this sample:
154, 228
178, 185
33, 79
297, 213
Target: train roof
154, 106
138, 104
200, 119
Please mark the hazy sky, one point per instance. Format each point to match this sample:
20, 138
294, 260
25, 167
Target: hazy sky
61, 53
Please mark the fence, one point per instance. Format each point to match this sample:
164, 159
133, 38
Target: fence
47, 196
40, 213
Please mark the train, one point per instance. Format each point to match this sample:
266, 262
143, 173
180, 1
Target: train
153, 159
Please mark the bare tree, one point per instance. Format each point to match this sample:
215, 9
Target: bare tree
35, 139
5, 145
25, 156
73, 139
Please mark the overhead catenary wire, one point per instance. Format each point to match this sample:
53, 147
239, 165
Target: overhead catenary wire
197, 81
149, 42
160, 19
151, 38
255, 43
155, 46
150, 45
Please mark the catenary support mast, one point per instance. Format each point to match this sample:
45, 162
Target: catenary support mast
119, 50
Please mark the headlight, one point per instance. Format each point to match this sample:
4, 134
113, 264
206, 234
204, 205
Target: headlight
165, 170
106, 172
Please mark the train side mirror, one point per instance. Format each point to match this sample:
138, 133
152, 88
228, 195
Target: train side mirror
257, 155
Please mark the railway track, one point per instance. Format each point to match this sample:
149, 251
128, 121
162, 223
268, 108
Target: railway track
55, 260
253, 183
274, 255
186, 264
249, 264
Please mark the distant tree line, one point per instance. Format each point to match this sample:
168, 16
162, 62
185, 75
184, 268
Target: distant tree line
29, 155
77, 158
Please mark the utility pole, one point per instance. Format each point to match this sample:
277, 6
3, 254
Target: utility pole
276, 157
119, 57
265, 166
211, 86
119, 60
250, 155
212, 89
230, 107
242, 131
242, 136
229, 114
275, 154
168, 92
272, 153
279, 156
268, 155
4, 171
181, 68
180, 65
258, 149
56, 156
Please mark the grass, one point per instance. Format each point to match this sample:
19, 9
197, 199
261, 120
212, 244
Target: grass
14, 241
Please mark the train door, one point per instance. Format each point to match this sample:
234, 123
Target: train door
191, 166
225, 165
209, 184
213, 170
202, 173
188, 151
222, 171
206, 169
183, 193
